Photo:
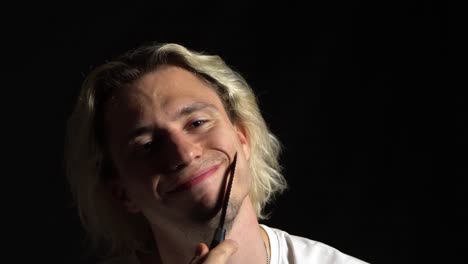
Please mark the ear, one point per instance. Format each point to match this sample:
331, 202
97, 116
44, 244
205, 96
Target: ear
119, 193
243, 139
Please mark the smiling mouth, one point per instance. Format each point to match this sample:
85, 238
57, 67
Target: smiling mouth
193, 181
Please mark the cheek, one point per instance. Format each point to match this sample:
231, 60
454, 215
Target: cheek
222, 140
141, 183
245, 172
139, 171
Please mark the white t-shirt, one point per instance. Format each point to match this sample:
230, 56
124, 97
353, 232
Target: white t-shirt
290, 249
285, 249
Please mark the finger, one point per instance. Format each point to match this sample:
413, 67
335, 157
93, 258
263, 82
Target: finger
222, 252
201, 250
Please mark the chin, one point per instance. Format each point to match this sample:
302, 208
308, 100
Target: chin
208, 207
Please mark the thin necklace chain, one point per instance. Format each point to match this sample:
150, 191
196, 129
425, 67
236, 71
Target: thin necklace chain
266, 252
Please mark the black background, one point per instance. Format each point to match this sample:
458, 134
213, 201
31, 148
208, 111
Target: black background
361, 95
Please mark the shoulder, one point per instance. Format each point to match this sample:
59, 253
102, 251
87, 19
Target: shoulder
287, 248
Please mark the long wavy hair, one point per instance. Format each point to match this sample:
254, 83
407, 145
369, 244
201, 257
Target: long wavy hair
88, 164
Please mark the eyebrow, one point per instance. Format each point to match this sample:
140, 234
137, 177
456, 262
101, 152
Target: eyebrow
191, 108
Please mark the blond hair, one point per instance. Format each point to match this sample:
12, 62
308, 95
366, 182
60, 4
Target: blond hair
87, 160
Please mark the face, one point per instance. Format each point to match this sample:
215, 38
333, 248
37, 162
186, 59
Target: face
172, 142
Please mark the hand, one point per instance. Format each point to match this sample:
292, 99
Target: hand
218, 255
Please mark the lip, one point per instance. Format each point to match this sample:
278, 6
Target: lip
194, 179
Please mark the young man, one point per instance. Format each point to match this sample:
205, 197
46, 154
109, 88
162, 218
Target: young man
151, 145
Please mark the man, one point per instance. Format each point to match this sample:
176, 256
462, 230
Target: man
151, 144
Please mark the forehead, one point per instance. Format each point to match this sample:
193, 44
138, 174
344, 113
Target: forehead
163, 91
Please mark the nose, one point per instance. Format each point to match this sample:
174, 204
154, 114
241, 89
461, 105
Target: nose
182, 150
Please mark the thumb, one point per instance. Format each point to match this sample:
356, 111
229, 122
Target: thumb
221, 253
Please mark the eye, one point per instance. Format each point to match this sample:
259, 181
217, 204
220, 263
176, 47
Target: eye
148, 146
198, 123
144, 145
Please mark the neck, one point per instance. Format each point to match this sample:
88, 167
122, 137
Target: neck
177, 245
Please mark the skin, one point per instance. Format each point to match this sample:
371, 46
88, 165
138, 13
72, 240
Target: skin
171, 143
